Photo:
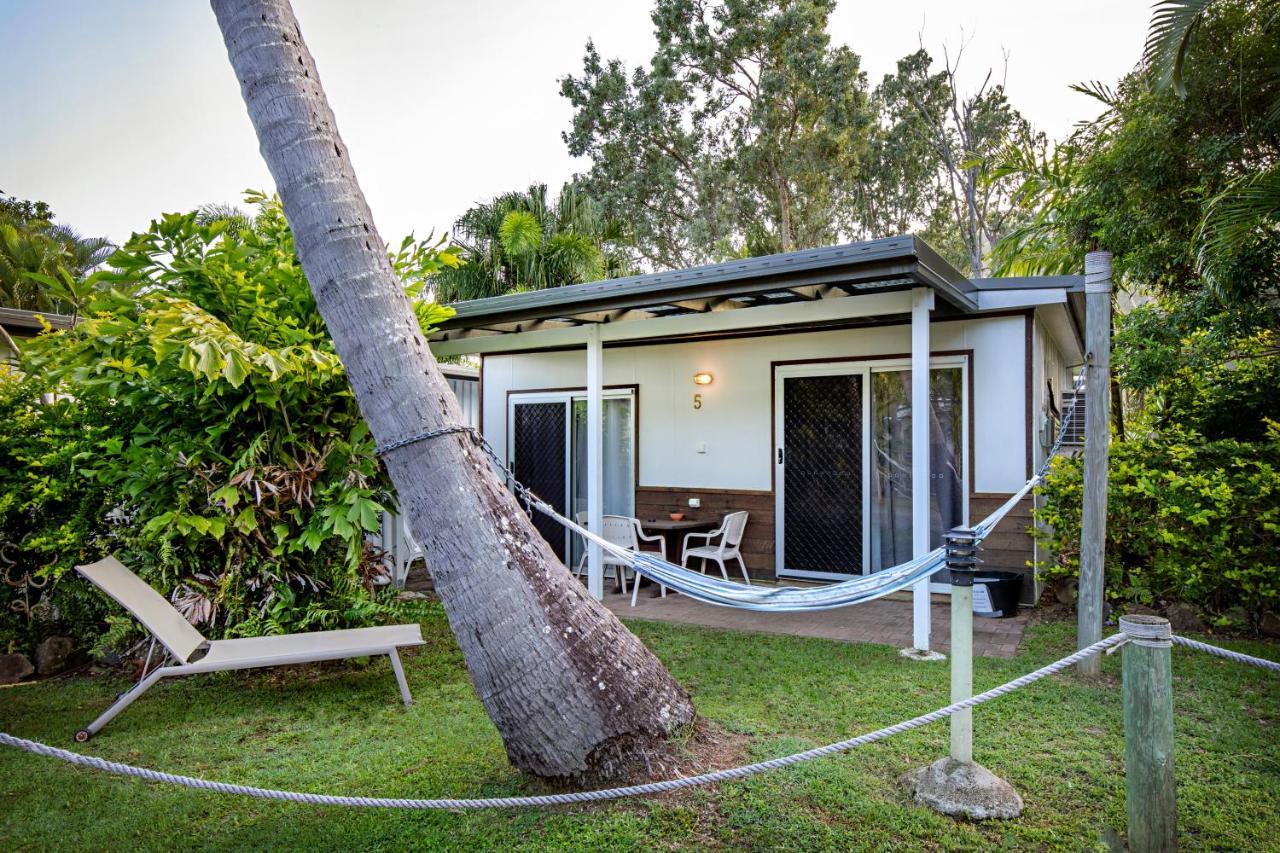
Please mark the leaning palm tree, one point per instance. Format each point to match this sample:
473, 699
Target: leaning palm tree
570, 689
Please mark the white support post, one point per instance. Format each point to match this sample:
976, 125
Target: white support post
921, 304
595, 458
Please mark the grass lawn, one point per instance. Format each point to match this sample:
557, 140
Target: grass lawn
341, 729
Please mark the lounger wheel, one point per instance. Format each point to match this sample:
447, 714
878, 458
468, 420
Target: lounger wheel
83, 736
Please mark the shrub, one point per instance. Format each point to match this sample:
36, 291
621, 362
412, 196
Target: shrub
1187, 519
205, 429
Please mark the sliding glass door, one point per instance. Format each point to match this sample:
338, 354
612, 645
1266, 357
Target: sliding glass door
548, 440
843, 464
890, 538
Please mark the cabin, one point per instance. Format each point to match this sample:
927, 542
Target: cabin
785, 386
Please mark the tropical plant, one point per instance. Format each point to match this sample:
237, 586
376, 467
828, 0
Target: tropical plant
1244, 217
528, 241
198, 420
1187, 520
44, 266
569, 688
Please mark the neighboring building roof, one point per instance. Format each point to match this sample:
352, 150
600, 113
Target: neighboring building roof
873, 266
17, 321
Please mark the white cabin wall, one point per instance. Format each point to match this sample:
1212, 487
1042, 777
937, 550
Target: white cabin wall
735, 420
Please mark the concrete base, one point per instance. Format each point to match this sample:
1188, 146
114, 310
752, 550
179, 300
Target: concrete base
964, 790
921, 654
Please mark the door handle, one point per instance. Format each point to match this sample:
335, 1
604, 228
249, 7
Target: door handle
779, 455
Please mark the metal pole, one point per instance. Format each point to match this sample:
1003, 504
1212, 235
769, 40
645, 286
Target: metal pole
1148, 734
1093, 522
962, 561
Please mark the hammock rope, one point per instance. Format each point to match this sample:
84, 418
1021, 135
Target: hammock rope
783, 599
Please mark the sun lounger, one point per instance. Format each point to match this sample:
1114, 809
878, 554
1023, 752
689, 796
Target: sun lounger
187, 652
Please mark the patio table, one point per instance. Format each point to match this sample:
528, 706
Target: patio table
674, 532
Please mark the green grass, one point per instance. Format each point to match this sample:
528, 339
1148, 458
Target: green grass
341, 729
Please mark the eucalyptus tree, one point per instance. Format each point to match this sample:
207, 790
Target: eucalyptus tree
962, 135
530, 241
570, 690
746, 126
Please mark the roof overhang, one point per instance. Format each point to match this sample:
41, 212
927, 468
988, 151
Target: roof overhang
808, 288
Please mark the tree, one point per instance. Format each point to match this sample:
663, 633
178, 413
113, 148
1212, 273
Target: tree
1179, 187
971, 206
43, 266
744, 133
527, 241
197, 421
570, 690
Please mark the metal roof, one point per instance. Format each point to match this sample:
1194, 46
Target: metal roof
894, 263
28, 323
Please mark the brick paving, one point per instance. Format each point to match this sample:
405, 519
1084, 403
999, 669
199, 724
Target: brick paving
886, 621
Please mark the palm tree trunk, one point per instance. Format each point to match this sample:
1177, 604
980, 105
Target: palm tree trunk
570, 690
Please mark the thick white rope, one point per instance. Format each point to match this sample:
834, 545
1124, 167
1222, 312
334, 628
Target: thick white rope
570, 798
1238, 657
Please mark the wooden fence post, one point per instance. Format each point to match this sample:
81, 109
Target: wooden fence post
1097, 435
1148, 734
962, 560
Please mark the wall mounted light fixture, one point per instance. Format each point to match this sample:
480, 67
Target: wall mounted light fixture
702, 377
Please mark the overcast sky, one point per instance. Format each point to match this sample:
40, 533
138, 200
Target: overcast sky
116, 110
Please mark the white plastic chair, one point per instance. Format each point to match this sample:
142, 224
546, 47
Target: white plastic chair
626, 532
728, 548
408, 551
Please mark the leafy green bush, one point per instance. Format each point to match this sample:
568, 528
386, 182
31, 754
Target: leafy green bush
1187, 520
203, 428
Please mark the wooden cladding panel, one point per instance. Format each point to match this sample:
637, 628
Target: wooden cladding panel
757, 544
1009, 547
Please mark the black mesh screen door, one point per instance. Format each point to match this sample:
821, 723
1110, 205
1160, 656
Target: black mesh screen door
538, 454
822, 471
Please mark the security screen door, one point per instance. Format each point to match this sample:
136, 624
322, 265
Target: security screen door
843, 464
820, 459
539, 446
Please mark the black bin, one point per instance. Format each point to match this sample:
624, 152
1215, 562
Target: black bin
1002, 591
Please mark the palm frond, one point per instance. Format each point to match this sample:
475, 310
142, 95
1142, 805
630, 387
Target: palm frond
1173, 23
1242, 216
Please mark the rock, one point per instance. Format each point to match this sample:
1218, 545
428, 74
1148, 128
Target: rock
14, 668
1269, 625
1183, 618
1065, 591
964, 790
52, 654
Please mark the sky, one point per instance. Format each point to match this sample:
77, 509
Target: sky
114, 111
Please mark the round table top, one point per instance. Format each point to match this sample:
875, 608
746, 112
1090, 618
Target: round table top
682, 524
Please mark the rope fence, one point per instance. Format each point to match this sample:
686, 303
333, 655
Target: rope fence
1107, 644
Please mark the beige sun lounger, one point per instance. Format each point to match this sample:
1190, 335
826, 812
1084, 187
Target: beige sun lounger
189, 653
